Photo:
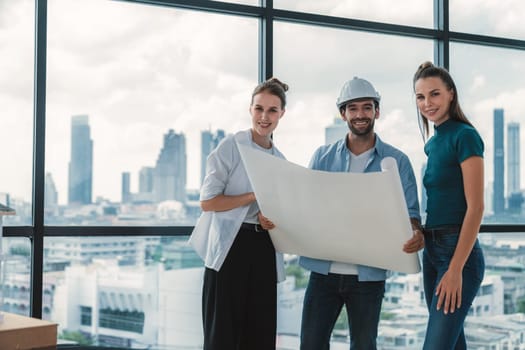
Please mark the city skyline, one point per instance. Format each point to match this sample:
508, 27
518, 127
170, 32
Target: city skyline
160, 79
158, 68
505, 158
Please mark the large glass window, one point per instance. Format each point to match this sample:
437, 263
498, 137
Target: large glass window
137, 97
15, 272
16, 101
494, 18
491, 93
406, 12
124, 291
316, 74
129, 106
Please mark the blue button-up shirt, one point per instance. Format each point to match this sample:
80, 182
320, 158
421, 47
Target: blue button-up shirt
336, 158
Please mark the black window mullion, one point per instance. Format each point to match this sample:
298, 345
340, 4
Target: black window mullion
37, 238
441, 23
266, 41
267, 14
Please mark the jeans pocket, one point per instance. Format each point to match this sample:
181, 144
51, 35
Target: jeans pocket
475, 263
446, 242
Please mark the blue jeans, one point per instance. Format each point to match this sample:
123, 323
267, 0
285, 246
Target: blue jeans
446, 331
323, 301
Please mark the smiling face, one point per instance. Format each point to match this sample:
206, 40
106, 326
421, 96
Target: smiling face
360, 116
266, 110
433, 99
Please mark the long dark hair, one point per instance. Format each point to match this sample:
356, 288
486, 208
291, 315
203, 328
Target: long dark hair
427, 70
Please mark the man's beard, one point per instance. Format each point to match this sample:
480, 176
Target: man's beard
361, 132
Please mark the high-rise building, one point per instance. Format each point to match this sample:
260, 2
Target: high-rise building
126, 187
169, 182
146, 175
50, 193
146, 178
5, 199
81, 163
336, 131
209, 141
499, 163
513, 158
51, 209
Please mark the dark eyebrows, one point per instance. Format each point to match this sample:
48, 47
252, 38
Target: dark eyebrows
256, 105
367, 104
430, 92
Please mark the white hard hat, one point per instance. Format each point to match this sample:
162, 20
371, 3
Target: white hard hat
355, 89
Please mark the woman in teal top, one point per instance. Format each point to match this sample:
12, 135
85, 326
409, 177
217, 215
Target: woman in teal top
453, 263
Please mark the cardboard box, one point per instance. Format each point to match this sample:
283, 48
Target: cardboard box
24, 333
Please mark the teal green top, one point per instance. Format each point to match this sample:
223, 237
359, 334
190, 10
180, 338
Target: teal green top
452, 143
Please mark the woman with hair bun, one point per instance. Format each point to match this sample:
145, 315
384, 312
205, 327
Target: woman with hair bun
453, 263
239, 299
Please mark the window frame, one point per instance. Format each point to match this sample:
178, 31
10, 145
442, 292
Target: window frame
266, 14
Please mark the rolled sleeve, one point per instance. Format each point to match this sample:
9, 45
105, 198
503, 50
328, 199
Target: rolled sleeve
217, 174
408, 181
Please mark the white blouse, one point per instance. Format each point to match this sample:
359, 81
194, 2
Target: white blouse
215, 232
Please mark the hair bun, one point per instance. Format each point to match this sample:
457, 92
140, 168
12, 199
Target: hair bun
425, 65
274, 80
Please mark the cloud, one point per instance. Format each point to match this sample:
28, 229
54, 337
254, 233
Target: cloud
477, 83
413, 12
140, 70
495, 18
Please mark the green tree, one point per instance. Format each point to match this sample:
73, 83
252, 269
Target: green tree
300, 277
385, 315
76, 336
342, 320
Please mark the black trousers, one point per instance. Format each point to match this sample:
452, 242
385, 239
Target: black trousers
239, 302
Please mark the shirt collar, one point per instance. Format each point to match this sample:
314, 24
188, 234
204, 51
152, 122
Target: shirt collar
379, 147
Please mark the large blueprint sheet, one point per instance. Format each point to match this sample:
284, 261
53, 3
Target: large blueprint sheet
349, 217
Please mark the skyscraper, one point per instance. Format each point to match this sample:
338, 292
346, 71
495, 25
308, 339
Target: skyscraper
336, 131
209, 141
146, 178
499, 163
169, 182
513, 158
50, 193
146, 175
126, 187
81, 163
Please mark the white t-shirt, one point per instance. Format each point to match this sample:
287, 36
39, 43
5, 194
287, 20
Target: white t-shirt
357, 165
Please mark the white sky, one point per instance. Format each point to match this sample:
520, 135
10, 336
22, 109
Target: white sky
138, 71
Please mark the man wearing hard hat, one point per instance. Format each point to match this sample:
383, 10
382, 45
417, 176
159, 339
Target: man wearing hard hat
333, 284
